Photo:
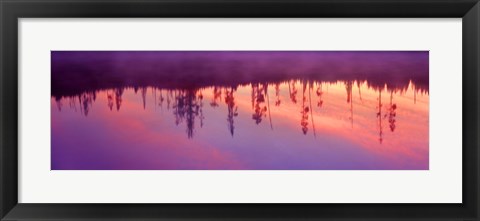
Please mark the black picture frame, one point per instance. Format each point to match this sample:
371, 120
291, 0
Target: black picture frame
12, 10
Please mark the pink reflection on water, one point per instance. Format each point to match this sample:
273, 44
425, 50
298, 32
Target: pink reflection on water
289, 125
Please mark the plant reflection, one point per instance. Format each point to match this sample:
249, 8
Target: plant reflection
187, 104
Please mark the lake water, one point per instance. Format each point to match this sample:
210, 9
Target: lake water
240, 111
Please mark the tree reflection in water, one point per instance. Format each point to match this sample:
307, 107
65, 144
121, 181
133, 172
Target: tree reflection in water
232, 109
187, 104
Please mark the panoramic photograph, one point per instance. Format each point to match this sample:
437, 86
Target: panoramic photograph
239, 110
